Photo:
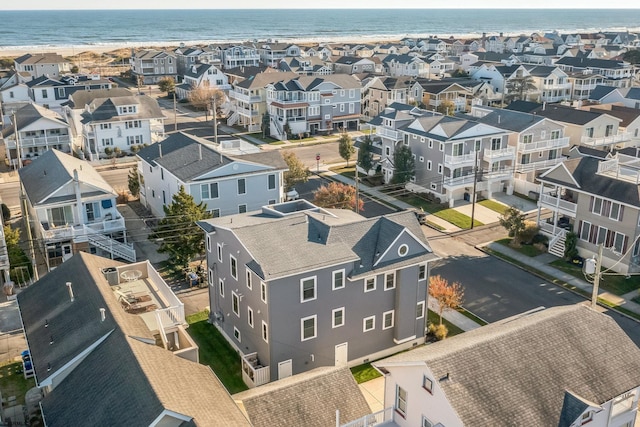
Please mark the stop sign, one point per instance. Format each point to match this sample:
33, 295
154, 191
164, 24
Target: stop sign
318, 156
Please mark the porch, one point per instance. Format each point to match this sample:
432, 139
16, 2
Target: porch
253, 373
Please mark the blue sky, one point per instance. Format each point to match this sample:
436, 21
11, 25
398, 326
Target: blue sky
329, 4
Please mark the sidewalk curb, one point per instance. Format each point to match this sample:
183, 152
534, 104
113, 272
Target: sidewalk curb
564, 285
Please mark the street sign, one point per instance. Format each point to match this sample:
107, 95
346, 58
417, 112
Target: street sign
318, 156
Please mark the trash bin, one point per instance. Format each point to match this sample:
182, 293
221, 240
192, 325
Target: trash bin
467, 197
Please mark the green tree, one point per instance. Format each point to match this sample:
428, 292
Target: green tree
167, 84
338, 196
517, 88
404, 165
365, 153
570, 246
446, 107
514, 222
297, 172
133, 180
177, 232
6, 214
345, 146
74, 69
460, 73
266, 121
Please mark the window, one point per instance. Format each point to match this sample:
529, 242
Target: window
209, 191
60, 217
107, 142
250, 316
104, 126
422, 272
337, 317
44, 94
586, 417
308, 328
389, 281
265, 332
387, 319
421, 159
215, 213
263, 292
308, 289
210, 277
420, 310
619, 243
427, 384
236, 334
426, 422
221, 287
249, 285
242, 208
235, 303
439, 169
401, 401
428, 165
219, 252
242, 186
272, 182
234, 267
622, 404
525, 159
208, 243
431, 143
458, 149
403, 250
368, 323
370, 284
441, 146
338, 279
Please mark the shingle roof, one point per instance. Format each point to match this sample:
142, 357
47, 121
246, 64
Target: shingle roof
584, 170
105, 109
82, 98
309, 399
509, 119
31, 113
601, 91
52, 170
305, 241
189, 157
122, 381
40, 58
519, 369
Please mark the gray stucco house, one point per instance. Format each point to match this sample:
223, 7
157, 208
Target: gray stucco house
294, 287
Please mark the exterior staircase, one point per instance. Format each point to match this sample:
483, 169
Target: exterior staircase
115, 248
556, 245
233, 119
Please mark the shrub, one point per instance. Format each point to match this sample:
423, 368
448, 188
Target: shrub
440, 332
540, 238
108, 151
530, 230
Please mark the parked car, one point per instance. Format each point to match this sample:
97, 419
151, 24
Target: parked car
27, 366
292, 195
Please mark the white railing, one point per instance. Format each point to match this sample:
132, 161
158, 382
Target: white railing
502, 173
464, 159
121, 250
543, 164
39, 142
606, 140
547, 144
234, 94
57, 233
232, 119
500, 154
254, 376
170, 299
458, 181
107, 225
388, 133
375, 419
556, 86
170, 316
557, 204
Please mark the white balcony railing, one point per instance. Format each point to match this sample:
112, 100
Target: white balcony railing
253, 373
376, 419
457, 161
42, 141
459, 181
547, 144
234, 94
557, 204
534, 166
78, 232
556, 86
507, 153
606, 140
388, 133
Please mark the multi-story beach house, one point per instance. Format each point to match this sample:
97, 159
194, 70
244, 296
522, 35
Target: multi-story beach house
186, 57
305, 66
243, 55
616, 73
452, 155
356, 65
226, 183
310, 104
538, 143
33, 131
378, 92
202, 75
72, 209
583, 83
54, 94
598, 199
41, 64
149, 66
294, 287
406, 65
112, 120
272, 53
432, 93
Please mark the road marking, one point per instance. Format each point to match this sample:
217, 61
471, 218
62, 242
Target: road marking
496, 295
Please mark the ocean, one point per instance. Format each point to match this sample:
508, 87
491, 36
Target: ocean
22, 29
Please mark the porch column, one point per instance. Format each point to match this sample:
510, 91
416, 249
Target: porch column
539, 207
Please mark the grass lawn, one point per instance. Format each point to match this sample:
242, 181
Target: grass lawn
456, 218
494, 206
364, 373
433, 317
614, 283
419, 202
216, 352
528, 250
471, 316
277, 143
13, 383
349, 172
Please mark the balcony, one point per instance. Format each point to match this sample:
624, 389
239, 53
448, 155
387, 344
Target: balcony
78, 232
380, 418
253, 373
508, 153
246, 112
454, 162
42, 141
553, 203
454, 183
606, 140
547, 144
234, 94
556, 86
388, 133
533, 166
498, 174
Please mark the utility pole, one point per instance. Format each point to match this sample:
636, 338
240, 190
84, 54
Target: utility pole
596, 279
25, 211
475, 182
175, 113
357, 192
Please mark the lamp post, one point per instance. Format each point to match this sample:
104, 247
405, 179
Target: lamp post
593, 266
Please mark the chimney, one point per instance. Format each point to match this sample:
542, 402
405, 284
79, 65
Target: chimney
102, 314
70, 289
200, 152
498, 119
544, 105
160, 149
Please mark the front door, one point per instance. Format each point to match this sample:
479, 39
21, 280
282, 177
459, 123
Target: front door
67, 252
285, 369
342, 354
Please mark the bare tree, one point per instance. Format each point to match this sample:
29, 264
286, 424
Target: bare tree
449, 296
205, 98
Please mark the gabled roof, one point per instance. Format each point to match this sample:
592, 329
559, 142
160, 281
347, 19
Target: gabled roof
52, 170
31, 113
43, 81
189, 157
261, 80
508, 119
518, 370
601, 91
317, 395
122, 380
626, 114
591, 63
105, 109
40, 58
84, 97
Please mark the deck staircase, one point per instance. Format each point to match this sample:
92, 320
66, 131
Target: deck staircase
233, 119
556, 245
115, 248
